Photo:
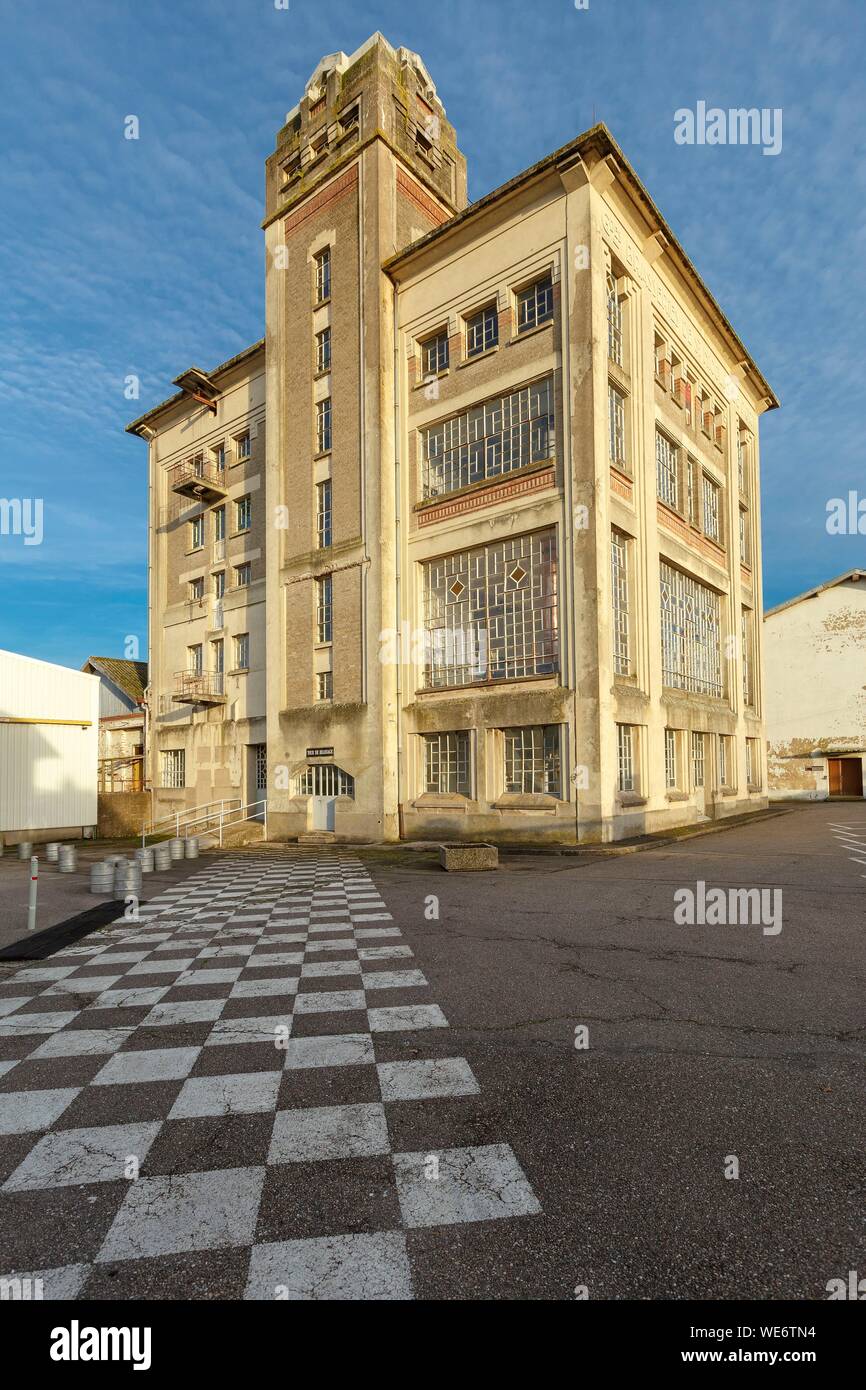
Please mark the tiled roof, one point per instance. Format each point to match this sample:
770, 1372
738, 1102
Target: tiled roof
128, 676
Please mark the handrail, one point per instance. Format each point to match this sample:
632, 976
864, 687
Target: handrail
251, 805
176, 817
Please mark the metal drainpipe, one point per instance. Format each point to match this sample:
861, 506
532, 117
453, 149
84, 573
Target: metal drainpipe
568, 494
397, 567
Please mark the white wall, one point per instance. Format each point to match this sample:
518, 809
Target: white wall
47, 770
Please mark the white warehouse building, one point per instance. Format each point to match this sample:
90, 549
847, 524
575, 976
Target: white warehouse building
49, 737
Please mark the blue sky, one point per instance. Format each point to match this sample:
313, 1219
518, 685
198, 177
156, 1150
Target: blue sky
141, 257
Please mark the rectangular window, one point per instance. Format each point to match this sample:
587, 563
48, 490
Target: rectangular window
242, 651
324, 609
243, 513
753, 762
323, 275
219, 583
196, 533
698, 772
614, 325
219, 523
490, 439
626, 755
194, 663
434, 354
323, 425
244, 446
532, 760
490, 614
691, 633
217, 652
482, 331
196, 589
746, 638
535, 304
446, 763
616, 426
726, 770
323, 514
693, 473
671, 760
324, 685
243, 575
745, 538
323, 350
174, 767
667, 471
743, 463
219, 458
619, 546
711, 509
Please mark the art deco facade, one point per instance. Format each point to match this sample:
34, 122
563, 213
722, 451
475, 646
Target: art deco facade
505, 530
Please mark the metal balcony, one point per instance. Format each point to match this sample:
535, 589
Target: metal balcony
199, 688
198, 482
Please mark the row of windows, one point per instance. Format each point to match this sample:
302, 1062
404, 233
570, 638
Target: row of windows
532, 761
243, 522
685, 760
242, 579
495, 437
195, 656
533, 307
238, 449
691, 628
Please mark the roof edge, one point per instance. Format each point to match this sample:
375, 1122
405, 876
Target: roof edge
813, 593
134, 426
600, 138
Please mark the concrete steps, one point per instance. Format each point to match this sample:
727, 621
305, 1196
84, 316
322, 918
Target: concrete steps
245, 832
317, 837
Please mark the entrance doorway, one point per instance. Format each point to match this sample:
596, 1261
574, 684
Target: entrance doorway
845, 776
257, 776
323, 783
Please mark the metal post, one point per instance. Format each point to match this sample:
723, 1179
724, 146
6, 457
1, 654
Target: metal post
221, 828
31, 901
265, 805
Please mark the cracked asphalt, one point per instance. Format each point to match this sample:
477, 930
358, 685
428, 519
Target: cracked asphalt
704, 1042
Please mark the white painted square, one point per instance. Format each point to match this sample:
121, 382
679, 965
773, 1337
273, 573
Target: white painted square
73, 1156
23, 1111
330, 1001
151, 1064
426, 1080
243, 1094
129, 998
260, 989
339, 1050
186, 1011
185, 1211
320, 969
329, 1131
480, 1183
406, 1017
22, 1024
272, 1028
82, 1042
393, 979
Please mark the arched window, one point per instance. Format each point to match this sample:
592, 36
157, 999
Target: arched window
325, 779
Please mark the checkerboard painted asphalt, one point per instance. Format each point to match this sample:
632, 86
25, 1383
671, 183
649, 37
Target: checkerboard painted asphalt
223, 1086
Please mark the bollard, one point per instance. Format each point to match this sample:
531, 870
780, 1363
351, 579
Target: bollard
68, 859
162, 856
52, 851
145, 859
25, 849
190, 847
176, 846
102, 878
31, 901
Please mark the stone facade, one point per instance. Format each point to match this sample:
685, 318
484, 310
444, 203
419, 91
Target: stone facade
511, 584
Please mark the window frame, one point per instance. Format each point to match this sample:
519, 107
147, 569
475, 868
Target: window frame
532, 753
457, 764
324, 609
483, 319
324, 426
324, 514
538, 292
322, 284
